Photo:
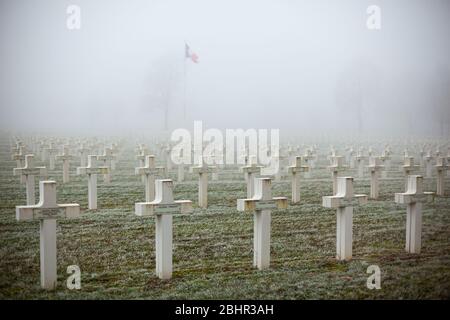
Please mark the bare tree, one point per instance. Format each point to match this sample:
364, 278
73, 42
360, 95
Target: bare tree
441, 100
357, 88
163, 83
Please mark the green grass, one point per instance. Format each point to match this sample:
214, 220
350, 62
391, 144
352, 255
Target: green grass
212, 254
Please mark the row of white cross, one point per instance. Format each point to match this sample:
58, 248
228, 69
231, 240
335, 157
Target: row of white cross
159, 202
47, 211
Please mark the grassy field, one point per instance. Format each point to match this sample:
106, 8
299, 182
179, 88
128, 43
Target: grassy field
212, 254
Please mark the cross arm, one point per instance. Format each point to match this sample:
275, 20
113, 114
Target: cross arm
298, 169
414, 167
18, 157
375, 168
199, 170
144, 170
37, 171
106, 157
338, 201
98, 170
156, 208
336, 168
64, 157
250, 205
251, 169
408, 198
37, 212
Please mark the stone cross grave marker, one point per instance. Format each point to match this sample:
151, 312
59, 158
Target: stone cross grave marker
351, 157
149, 172
441, 168
375, 167
309, 159
51, 152
29, 171
408, 168
251, 171
84, 152
163, 207
385, 161
141, 157
108, 160
336, 167
65, 157
360, 158
422, 154
92, 171
295, 170
19, 156
428, 165
47, 211
344, 201
413, 198
202, 170
261, 205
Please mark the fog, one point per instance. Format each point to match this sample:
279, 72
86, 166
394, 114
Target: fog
304, 67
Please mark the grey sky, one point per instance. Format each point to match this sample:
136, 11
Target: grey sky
300, 66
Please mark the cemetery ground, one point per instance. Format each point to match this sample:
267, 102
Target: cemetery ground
212, 256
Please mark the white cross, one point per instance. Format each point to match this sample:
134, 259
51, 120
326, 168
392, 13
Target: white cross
351, 157
406, 153
281, 166
344, 201
91, 171
202, 170
19, 156
16, 147
408, 168
142, 153
441, 168
47, 211
163, 207
83, 151
428, 164
261, 205
251, 171
108, 161
29, 171
448, 160
51, 151
413, 198
374, 167
332, 154
360, 158
385, 161
148, 172
295, 170
370, 153
65, 157
336, 167
310, 159
438, 152
166, 152
422, 154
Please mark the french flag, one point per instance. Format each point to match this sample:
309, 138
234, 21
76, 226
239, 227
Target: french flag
189, 54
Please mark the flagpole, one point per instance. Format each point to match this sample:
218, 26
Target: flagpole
185, 84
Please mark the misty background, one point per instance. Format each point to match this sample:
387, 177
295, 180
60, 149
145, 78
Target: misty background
304, 67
